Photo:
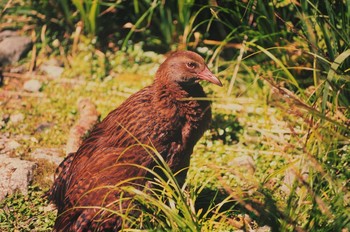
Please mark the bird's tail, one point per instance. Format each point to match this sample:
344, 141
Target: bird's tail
57, 190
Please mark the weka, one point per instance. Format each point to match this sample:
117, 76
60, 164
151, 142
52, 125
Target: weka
167, 115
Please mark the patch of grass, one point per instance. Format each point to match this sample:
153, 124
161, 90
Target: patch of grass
297, 134
289, 102
26, 212
43, 173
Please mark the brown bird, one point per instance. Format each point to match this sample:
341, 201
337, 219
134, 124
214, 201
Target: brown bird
167, 115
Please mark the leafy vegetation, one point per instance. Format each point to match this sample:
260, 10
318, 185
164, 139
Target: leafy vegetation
278, 149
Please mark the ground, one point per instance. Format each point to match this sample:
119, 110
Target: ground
252, 153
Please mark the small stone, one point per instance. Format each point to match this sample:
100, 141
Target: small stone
8, 33
32, 86
12, 145
44, 126
52, 71
16, 118
33, 139
56, 43
53, 155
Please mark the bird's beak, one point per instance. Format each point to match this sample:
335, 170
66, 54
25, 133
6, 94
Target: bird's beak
209, 76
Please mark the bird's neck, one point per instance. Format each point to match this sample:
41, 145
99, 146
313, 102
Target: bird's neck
175, 91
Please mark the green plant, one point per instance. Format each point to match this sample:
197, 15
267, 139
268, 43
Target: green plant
20, 212
288, 65
326, 27
165, 205
88, 12
317, 108
164, 23
224, 127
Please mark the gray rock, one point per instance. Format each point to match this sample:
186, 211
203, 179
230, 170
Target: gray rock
13, 145
15, 175
16, 118
32, 86
7, 33
44, 126
8, 145
52, 71
53, 155
13, 47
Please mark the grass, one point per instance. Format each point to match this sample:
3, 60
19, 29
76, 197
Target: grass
277, 129
57, 107
278, 148
26, 213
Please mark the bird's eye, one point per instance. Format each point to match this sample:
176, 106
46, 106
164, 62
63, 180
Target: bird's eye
191, 65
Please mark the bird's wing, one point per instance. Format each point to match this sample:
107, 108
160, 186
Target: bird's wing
99, 181
104, 171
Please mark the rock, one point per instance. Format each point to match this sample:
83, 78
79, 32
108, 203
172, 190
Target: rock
44, 126
15, 175
52, 155
16, 118
13, 145
13, 47
7, 145
7, 33
52, 70
32, 86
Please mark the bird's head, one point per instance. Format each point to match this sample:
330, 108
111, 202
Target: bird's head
186, 68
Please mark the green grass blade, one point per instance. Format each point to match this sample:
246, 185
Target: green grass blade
154, 5
290, 77
331, 76
94, 10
